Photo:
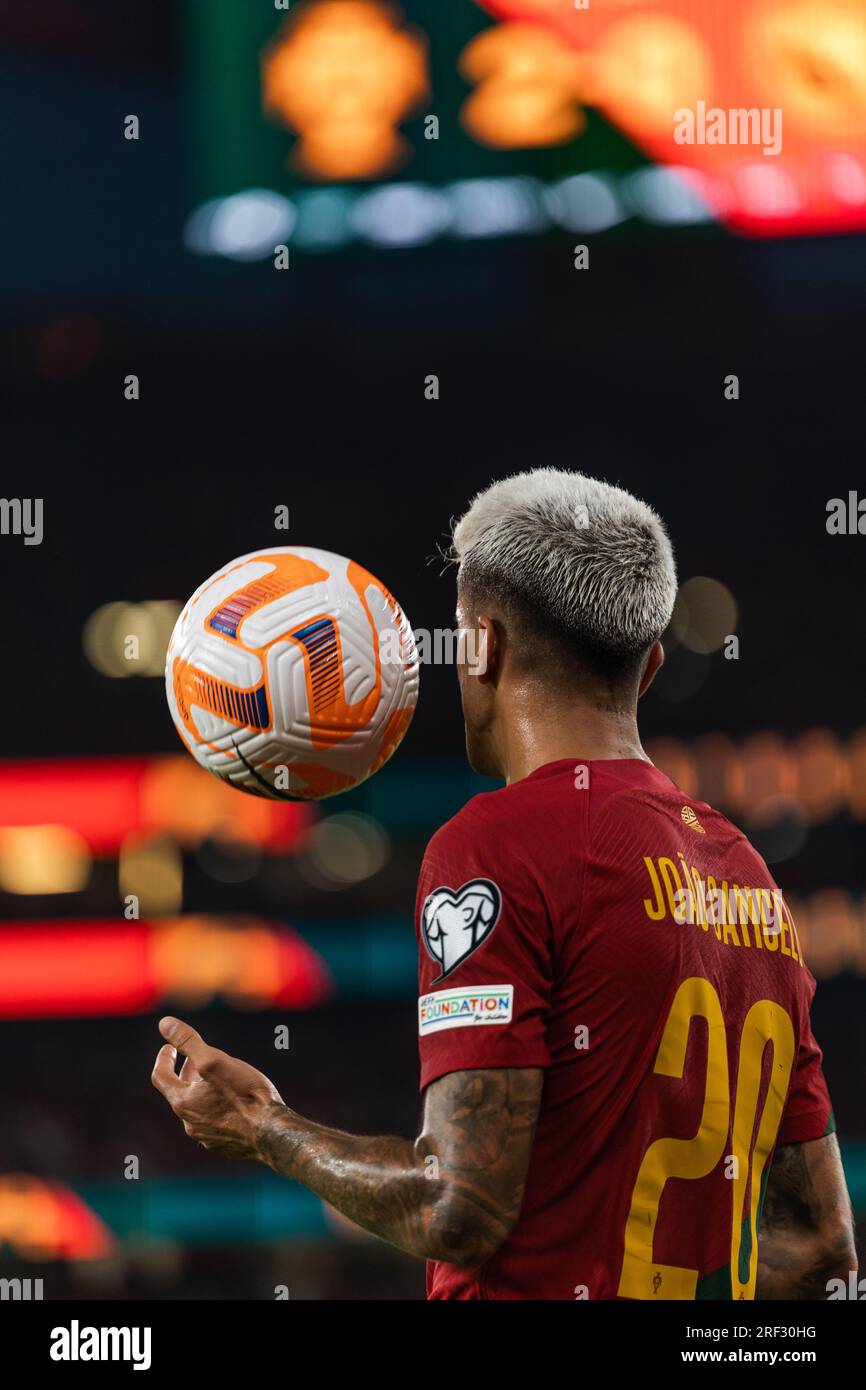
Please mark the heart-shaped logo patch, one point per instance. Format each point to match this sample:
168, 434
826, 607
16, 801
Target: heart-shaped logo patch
454, 923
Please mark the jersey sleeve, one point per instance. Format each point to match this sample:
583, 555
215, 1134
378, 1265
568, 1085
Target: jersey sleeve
808, 1113
485, 953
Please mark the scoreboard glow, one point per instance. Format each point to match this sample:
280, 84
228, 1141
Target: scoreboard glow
326, 121
341, 121
764, 100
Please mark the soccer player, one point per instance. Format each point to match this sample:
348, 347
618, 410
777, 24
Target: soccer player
622, 1094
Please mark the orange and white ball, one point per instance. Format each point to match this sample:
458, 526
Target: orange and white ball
292, 673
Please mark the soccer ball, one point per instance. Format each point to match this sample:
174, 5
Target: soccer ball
292, 673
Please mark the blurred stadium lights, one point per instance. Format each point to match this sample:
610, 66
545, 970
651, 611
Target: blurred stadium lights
250, 224
44, 1220
802, 60
823, 775
244, 227
345, 849
667, 197
343, 79
832, 929
401, 214
343, 76
847, 178
244, 960
525, 88
130, 639
98, 1226
43, 859
823, 772
179, 796
247, 226
415, 214
322, 219
106, 799
585, 203
766, 192
150, 868
101, 967
496, 207
55, 815
705, 613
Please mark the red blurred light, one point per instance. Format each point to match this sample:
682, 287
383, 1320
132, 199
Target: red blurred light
105, 800
798, 61
92, 968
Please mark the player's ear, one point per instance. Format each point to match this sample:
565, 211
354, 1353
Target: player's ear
654, 661
486, 660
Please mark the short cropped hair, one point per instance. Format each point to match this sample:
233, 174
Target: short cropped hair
573, 560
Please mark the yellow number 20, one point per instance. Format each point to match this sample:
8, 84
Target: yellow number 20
766, 1022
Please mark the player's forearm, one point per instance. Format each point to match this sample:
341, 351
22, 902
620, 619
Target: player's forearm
383, 1184
790, 1267
807, 1231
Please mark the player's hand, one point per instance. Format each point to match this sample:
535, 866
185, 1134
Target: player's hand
219, 1099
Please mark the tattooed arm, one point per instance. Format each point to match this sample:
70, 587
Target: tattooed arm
453, 1194
806, 1236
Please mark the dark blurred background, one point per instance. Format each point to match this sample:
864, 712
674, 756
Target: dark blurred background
305, 388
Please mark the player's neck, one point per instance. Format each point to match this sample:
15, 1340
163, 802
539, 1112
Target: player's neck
532, 739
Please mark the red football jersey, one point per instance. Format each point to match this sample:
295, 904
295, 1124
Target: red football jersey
593, 920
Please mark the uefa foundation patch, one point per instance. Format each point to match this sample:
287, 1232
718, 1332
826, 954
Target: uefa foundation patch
464, 1008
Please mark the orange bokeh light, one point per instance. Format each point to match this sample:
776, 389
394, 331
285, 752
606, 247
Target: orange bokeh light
527, 91
44, 1220
343, 74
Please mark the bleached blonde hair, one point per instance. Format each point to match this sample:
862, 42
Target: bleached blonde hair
589, 560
